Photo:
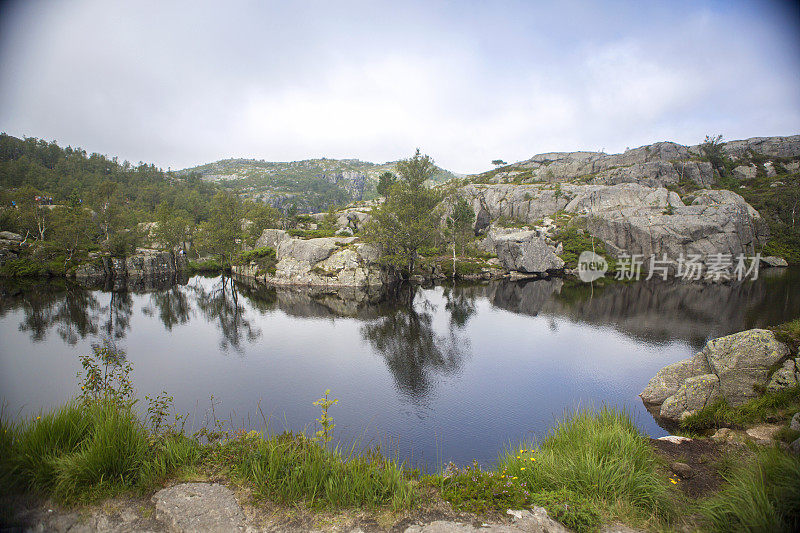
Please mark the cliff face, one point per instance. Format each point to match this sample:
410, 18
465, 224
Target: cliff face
144, 268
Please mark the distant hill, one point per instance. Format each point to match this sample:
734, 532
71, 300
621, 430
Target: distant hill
312, 184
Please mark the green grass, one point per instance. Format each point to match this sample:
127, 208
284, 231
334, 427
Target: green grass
83, 452
789, 333
762, 495
592, 467
264, 257
721, 414
80, 452
291, 468
208, 265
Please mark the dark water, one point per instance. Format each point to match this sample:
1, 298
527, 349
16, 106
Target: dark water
443, 373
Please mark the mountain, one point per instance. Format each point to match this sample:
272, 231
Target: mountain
313, 184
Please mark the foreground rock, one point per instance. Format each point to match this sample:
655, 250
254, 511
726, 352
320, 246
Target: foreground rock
191, 507
533, 521
734, 368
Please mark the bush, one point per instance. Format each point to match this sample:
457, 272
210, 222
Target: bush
763, 495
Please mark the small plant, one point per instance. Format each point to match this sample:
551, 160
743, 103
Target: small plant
106, 375
325, 434
158, 409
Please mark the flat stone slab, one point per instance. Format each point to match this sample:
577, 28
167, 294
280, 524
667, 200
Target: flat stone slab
535, 521
190, 507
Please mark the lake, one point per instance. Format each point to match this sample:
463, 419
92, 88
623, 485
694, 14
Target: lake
437, 374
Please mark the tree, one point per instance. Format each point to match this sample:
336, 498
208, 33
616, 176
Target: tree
416, 170
712, 150
173, 227
262, 217
459, 225
222, 232
71, 230
498, 162
385, 183
405, 222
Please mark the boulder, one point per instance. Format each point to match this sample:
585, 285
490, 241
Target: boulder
526, 252
10, 236
330, 262
794, 425
734, 368
271, 238
190, 507
745, 172
786, 376
774, 262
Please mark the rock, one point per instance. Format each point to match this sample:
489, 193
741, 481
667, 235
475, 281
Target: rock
694, 394
190, 507
10, 236
535, 520
743, 173
794, 447
734, 368
722, 434
786, 376
682, 470
742, 361
345, 232
772, 261
667, 382
310, 251
794, 425
675, 439
763, 433
271, 238
331, 262
143, 267
526, 252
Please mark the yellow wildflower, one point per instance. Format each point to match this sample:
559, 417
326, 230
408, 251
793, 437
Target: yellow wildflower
523, 468
673, 481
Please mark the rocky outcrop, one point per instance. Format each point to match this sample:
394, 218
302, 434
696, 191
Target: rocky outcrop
635, 219
332, 262
140, 268
527, 252
271, 238
735, 368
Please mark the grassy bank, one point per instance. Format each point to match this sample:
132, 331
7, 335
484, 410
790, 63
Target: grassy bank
593, 468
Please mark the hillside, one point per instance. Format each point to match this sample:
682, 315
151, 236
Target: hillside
312, 184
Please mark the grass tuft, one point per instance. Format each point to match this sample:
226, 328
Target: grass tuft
593, 465
763, 495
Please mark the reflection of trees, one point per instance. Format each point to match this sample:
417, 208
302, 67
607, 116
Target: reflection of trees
221, 304
173, 307
461, 304
414, 353
119, 311
73, 311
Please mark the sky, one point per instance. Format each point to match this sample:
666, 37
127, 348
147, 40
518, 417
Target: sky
180, 84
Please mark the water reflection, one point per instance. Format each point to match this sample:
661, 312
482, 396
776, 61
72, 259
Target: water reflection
71, 310
219, 304
414, 353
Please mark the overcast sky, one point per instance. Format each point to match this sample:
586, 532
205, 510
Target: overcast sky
185, 83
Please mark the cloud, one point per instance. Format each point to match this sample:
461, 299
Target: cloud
185, 83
